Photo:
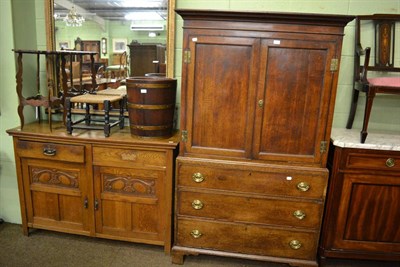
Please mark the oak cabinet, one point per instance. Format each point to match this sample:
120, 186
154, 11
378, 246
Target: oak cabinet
118, 187
363, 209
145, 58
258, 93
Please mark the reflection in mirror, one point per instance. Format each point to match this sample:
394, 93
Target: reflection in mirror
115, 29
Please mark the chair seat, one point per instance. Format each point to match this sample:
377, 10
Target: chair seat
385, 81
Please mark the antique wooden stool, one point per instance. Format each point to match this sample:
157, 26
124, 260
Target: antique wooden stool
96, 100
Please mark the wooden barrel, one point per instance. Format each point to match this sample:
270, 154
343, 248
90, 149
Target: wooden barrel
151, 105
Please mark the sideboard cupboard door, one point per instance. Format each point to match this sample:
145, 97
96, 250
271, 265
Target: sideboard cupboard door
129, 204
57, 195
295, 89
220, 89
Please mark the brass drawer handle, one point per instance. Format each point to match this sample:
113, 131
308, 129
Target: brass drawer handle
196, 233
197, 204
295, 244
390, 162
49, 151
299, 214
260, 103
198, 177
303, 186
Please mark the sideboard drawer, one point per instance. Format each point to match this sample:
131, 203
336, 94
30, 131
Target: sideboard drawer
278, 181
234, 208
249, 239
51, 151
118, 157
373, 161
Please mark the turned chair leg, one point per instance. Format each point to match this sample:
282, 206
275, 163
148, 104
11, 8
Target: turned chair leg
68, 107
368, 106
353, 109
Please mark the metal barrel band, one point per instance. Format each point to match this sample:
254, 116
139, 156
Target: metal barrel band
152, 86
150, 107
150, 128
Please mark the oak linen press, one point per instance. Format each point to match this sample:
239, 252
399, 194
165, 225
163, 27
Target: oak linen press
258, 93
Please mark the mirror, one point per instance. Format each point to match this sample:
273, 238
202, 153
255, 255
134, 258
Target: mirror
109, 44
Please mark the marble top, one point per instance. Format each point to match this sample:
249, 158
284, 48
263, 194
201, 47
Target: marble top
379, 140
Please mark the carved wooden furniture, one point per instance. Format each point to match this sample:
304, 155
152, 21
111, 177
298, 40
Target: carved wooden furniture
89, 122
144, 58
117, 187
362, 215
57, 85
258, 92
383, 28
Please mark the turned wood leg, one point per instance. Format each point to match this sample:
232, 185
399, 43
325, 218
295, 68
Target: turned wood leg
68, 119
107, 127
121, 112
368, 106
353, 109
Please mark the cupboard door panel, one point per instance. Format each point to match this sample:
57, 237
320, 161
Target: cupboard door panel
129, 203
369, 213
295, 91
55, 196
220, 88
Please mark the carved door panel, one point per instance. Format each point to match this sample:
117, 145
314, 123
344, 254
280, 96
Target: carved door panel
58, 196
293, 100
129, 203
221, 77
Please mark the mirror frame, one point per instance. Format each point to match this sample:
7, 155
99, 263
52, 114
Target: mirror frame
50, 36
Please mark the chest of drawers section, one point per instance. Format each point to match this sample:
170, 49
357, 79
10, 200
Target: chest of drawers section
264, 211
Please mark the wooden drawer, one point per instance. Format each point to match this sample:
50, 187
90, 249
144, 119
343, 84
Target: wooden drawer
106, 156
248, 239
235, 208
277, 181
382, 162
51, 151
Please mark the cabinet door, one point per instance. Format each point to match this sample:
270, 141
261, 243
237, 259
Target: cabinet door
293, 100
130, 204
219, 89
57, 196
368, 214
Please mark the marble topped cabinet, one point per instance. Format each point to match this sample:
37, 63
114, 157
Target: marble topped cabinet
362, 214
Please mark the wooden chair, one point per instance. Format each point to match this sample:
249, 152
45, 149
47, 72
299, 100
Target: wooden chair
387, 80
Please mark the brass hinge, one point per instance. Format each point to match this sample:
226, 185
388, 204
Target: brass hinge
184, 136
334, 64
186, 56
323, 147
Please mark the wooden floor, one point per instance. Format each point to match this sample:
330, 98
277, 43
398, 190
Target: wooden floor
44, 248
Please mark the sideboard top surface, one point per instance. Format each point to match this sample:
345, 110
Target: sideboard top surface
120, 136
377, 140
